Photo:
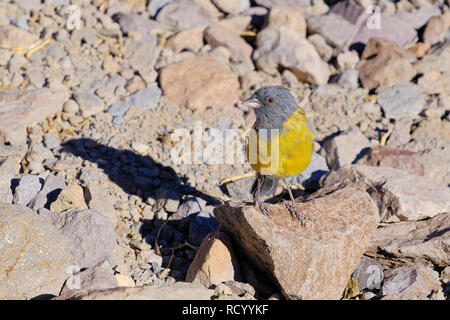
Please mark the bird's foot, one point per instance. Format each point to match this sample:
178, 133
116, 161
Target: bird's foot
296, 213
263, 207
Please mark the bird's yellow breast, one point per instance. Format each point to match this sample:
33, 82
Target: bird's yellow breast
293, 144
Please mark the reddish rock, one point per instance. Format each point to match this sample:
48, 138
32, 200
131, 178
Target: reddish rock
384, 63
314, 262
218, 36
410, 283
413, 242
199, 82
30, 106
214, 262
383, 156
436, 29
400, 196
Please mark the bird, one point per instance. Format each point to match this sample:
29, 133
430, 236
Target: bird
279, 145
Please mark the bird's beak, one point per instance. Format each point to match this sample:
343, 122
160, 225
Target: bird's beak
251, 102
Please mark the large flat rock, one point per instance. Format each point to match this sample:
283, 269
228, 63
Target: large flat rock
314, 262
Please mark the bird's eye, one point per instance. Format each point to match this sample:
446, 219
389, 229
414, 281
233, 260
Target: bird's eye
270, 100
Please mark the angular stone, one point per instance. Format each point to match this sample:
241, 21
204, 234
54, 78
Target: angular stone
95, 278
324, 50
410, 283
30, 106
300, 259
138, 24
190, 39
334, 28
417, 242
388, 64
97, 199
383, 156
89, 103
198, 83
51, 189
174, 15
288, 16
435, 153
280, 46
16, 39
419, 17
435, 82
6, 195
90, 234
436, 29
437, 59
391, 28
232, 6
142, 57
33, 253
28, 187
272, 3
400, 196
214, 262
68, 198
176, 291
369, 274
401, 99
218, 36
345, 148
11, 158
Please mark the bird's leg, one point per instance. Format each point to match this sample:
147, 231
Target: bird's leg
242, 176
293, 209
262, 206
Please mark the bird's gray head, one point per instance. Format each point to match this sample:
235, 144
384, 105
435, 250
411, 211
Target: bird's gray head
273, 105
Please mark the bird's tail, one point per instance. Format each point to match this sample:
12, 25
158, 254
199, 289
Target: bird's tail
268, 185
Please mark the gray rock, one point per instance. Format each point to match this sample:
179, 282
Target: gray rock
28, 187
96, 278
155, 6
345, 147
174, 15
401, 99
348, 79
334, 28
232, 6
90, 234
369, 274
218, 36
51, 141
392, 29
146, 98
138, 24
142, 57
33, 253
52, 187
6, 195
419, 17
322, 47
410, 283
89, 103
310, 177
400, 196
272, 3
280, 46
11, 156
175, 291
412, 242
30, 106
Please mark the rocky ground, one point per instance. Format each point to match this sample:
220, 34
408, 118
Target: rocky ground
92, 205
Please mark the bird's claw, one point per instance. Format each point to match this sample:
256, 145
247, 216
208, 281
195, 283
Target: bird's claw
296, 213
264, 208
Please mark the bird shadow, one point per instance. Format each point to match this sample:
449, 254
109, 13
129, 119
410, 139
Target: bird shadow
135, 174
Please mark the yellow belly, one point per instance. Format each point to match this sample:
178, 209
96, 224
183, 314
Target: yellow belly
286, 153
